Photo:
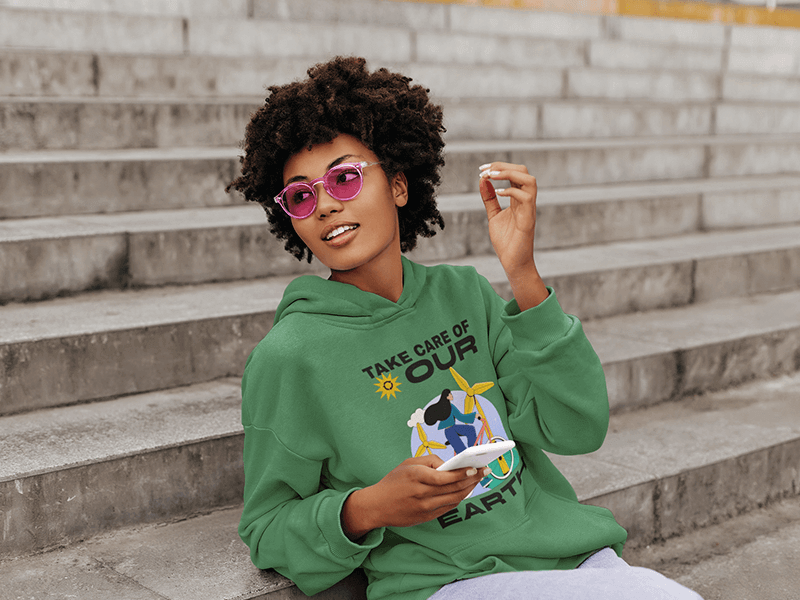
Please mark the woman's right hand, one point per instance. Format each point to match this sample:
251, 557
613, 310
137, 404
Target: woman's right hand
411, 493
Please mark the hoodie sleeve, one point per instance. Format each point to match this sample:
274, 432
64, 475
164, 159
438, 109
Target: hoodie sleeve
289, 521
551, 377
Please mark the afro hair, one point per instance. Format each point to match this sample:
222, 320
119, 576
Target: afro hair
394, 119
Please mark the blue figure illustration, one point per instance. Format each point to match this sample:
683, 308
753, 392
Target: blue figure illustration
446, 414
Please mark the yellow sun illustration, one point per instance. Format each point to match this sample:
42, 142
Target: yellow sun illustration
388, 386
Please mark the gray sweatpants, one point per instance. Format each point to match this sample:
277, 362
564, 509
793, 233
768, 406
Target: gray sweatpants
604, 576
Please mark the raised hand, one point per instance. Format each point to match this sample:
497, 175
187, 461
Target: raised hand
411, 493
512, 229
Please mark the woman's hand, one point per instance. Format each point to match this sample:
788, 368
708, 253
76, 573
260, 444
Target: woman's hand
411, 493
512, 229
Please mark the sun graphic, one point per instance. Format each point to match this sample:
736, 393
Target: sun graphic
388, 386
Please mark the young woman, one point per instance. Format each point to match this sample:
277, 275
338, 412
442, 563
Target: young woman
340, 459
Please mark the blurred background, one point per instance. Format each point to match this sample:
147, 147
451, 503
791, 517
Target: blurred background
665, 138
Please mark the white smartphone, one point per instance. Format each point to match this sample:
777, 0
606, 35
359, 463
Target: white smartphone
477, 456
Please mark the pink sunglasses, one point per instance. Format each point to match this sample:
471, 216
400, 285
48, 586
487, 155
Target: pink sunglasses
342, 182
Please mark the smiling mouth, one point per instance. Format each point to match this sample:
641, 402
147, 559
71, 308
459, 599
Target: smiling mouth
339, 231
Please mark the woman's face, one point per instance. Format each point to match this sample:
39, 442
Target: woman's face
348, 235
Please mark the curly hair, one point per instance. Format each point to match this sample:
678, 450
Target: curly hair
395, 120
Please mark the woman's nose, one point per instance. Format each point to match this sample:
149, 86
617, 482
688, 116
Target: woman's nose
326, 204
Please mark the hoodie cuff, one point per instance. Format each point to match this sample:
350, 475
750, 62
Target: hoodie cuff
539, 326
330, 519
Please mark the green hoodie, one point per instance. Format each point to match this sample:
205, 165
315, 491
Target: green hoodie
338, 394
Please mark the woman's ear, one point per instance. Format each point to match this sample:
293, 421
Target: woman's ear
399, 187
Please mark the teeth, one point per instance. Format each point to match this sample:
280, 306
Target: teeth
339, 231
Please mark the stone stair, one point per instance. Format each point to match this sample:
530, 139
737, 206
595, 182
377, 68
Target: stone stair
132, 287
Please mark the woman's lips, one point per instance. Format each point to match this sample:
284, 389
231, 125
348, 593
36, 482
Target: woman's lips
340, 234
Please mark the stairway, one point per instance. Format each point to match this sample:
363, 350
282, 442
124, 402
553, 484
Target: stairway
132, 287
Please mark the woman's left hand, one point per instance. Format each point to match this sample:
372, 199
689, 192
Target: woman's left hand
512, 229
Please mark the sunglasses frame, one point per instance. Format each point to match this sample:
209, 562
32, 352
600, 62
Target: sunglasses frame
359, 166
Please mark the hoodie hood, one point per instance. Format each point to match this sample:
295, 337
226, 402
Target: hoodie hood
311, 294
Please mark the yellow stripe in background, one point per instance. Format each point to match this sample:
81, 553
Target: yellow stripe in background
693, 11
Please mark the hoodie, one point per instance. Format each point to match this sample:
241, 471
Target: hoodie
347, 385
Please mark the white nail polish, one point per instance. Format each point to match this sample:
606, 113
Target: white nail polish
471, 472
484, 167
487, 471
485, 174
500, 191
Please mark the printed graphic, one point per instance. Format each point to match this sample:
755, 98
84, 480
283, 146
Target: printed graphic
388, 386
456, 419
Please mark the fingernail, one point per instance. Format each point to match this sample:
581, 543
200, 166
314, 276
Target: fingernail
484, 167
500, 191
488, 173
487, 471
471, 472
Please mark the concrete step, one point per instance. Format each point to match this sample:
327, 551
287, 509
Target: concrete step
79, 74
51, 256
663, 84
616, 54
665, 471
623, 277
72, 473
77, 181
87, 32
754, 555
37, 73
181, 8
104, 344
68, 182
40, 73
434, 15
597, 161
670, 469
47, 124
460, 34
750, 118
760, 88
92, 124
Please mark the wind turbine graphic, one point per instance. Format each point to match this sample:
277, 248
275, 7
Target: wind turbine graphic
426, 443
470, 400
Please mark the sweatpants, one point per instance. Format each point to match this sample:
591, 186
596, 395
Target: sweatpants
603, 576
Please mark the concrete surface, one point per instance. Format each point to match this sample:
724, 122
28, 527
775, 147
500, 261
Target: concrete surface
725, 543
108, 343
74, 472
760, 87
753, 556
78, 182
733, 118
616, 54
198, 559
105, 344
44, 73
45, 257
162, 69
45, 124
664, 470
182, 8
86, 32
35, 124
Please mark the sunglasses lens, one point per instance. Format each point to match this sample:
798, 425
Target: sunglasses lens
343, 182
300, 200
